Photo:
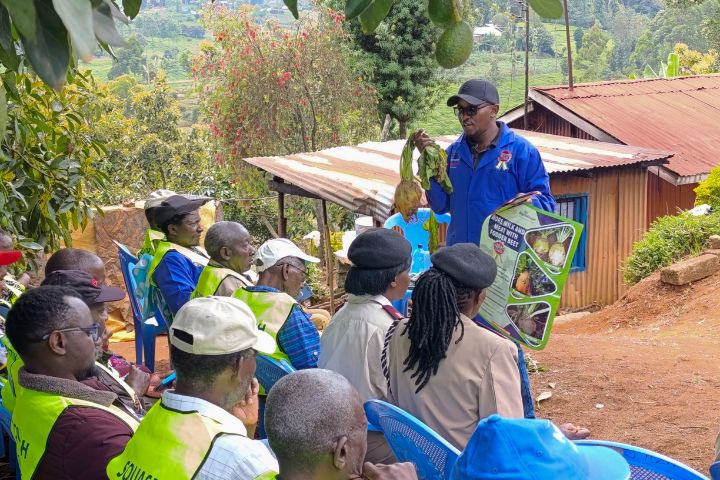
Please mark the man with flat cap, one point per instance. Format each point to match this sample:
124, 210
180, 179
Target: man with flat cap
352, 343
488, 165
177, 263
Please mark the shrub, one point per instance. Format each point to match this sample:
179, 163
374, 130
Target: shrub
709, 190
669, 239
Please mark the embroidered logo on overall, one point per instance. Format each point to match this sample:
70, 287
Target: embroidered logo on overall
503, 159
454, 161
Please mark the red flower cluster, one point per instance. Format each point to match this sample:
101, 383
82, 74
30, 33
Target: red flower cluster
281, 78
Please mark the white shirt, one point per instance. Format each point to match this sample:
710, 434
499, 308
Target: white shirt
232, 457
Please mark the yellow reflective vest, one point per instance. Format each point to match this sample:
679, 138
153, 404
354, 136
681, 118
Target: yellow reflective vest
12, 389
211, 278
168, 445
34, 418
163, 247
271, 310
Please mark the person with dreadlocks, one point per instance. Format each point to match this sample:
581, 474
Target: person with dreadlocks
441, 366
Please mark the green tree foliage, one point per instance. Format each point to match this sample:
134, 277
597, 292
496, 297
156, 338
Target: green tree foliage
669, 239
708, 191
400, 58
48, 157
269, 90
593, 57
146, 149
672, 26
129, 60
51, 33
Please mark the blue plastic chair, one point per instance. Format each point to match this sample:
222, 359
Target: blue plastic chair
413, 441
269, 370
715, 471
144, 333
414, 232
649, 465
6, 424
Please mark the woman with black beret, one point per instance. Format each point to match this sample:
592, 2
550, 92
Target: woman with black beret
353, 341
444, 368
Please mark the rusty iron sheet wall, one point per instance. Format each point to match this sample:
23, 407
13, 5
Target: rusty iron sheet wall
665, 198
616, 219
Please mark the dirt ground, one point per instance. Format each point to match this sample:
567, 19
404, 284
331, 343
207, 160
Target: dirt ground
652, 361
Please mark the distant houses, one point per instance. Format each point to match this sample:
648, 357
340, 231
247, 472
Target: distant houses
486, 30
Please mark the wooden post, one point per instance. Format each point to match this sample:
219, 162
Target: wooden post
330, 263
282, 221
569, 45
527, 63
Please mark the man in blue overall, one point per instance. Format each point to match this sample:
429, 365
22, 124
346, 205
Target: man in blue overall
488, 165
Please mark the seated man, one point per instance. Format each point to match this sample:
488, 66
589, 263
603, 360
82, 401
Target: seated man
352, 344
76, 259
177, 263
66, 423
316, 427
231, 253
282, 268
197, 431
95, 296
528, 449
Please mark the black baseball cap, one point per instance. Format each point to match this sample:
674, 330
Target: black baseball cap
476, 92
176, 205
85, 285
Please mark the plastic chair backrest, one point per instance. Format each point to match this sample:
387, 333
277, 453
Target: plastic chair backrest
413, 441
413, 230
269, 370
6, 424
715, 471
649, 465
144, 333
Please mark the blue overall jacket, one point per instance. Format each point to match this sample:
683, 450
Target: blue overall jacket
513, 166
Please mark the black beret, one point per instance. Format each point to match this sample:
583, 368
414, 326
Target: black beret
379, 248
466, 264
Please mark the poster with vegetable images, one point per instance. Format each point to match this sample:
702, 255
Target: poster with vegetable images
533, 250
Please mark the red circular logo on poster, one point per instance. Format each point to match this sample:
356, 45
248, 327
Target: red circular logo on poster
499, 248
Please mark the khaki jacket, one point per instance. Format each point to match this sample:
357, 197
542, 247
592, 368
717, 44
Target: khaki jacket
478, 377
352, 343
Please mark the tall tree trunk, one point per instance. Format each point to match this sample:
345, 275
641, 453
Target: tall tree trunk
403, 129
386, 128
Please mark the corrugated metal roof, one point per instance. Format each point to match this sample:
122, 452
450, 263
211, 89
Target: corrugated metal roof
363, 178
679, 114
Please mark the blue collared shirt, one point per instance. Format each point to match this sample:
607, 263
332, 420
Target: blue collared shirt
298, 338
511, 167
176, 277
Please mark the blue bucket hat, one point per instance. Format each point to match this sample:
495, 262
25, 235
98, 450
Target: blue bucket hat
525, 449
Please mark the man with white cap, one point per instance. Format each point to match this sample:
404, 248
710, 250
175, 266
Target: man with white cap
195, 431
282, 267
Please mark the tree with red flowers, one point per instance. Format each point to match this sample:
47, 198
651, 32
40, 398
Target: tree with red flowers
270, 90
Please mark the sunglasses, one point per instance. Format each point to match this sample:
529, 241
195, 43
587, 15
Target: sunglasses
92, 331
470, 111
